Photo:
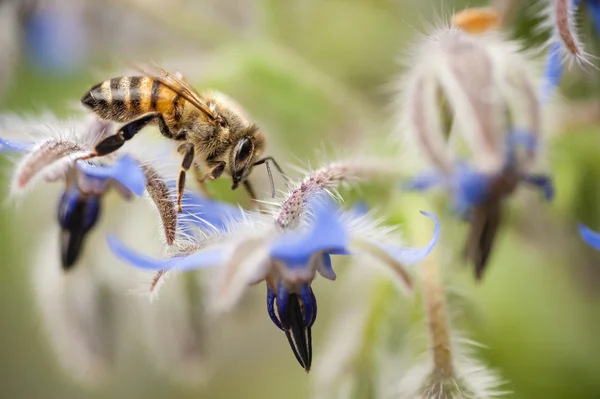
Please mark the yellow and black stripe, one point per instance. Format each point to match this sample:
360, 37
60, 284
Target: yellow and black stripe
125, 98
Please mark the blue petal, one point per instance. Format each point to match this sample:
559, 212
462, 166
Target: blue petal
326, 269
415, 255
544, 183
523, 138
327, 233
423, 181
126, 171
470, 187
17, 146
271, 308
310, 305
588, 235
552, 72
198, 260
206, 213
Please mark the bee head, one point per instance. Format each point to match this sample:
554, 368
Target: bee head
243, 155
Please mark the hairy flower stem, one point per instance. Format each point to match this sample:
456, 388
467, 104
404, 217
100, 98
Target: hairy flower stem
437, 323
326, 178
434, 299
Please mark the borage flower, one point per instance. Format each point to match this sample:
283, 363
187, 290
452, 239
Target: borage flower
471, 111
80, 204
55, 159
51, 155
287, 260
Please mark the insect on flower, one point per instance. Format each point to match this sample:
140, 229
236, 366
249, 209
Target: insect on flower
288, 261
214, 132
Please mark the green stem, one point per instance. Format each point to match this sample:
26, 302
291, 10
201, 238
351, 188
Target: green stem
437, 323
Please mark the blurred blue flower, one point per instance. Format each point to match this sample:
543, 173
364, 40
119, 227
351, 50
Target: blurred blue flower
477, 196
470, 187
588, 235
80, 205
56, 38
293, 257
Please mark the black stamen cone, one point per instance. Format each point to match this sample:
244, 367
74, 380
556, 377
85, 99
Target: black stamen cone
71, 244
486, 220
299, 336
76, 216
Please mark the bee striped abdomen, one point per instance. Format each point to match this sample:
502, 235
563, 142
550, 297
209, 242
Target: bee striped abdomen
122, 99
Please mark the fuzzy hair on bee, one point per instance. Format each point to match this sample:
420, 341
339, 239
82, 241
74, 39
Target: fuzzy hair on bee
214, 132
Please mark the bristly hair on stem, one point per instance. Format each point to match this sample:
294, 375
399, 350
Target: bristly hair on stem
561, 18
289, 211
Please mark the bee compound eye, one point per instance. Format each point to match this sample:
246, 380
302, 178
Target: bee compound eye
244, 149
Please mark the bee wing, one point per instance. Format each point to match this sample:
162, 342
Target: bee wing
182, 87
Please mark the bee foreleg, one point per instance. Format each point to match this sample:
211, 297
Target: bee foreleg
188, 152
200, 178
213, 174
217, 171
125, 133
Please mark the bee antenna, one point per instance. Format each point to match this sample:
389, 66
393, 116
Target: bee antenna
266, 162
271, 179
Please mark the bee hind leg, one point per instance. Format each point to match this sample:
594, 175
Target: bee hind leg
125, 133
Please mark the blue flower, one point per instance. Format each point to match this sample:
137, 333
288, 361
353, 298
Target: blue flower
205, 213
80, 205
588, 235
471, 187
477, 196
290, 262
56, 39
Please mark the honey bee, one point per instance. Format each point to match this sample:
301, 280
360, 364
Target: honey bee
214, 132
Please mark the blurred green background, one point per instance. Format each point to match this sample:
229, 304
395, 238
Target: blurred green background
316, 75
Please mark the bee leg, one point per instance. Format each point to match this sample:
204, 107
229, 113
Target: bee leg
188, 152
201, 181
214, 173
125, 133
253, 199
